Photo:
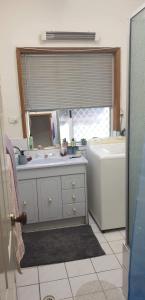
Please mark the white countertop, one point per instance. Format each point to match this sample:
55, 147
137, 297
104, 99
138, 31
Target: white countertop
50, 162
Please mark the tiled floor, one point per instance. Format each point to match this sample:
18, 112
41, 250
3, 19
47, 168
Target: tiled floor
98, 278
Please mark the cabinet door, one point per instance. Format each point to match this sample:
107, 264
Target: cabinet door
49, 198
28, 199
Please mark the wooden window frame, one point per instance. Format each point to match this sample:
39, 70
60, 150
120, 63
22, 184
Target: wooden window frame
37, 50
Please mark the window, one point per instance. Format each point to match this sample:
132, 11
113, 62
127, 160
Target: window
85, 123
68, 80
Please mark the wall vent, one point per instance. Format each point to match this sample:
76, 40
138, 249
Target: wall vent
65, 35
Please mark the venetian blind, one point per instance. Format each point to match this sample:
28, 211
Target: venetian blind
67, 80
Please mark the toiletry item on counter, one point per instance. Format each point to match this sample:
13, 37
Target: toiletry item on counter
83, 142
29, 158
73, 142
64, 143
123, 132
72, 150
63, 149
40, 147
30, 142
76, 156
73, 146
22, 159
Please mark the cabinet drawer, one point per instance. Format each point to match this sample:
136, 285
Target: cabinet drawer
73, 195
72, 181
74, 210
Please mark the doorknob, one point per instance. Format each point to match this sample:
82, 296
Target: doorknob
21, 219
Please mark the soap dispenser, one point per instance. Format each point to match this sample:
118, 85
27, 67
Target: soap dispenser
22, 159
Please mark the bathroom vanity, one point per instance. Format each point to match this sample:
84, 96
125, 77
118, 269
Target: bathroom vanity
53, 189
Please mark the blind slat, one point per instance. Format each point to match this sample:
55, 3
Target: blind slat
58, 81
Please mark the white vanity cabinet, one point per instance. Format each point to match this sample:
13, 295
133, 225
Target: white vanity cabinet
54, 193
49, 198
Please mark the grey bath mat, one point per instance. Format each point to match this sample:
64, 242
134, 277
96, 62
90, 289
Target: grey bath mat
60, 245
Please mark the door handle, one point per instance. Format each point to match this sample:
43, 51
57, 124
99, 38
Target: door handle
74, 197
21, 219
49, 200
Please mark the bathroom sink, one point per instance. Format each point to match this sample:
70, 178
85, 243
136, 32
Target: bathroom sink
50, 161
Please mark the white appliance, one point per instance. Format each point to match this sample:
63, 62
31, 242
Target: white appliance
106, 182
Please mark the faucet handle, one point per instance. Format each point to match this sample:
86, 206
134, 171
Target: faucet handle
15, 147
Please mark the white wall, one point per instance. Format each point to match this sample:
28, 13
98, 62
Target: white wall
21, 22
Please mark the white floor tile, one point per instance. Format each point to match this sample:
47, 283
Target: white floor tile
100, 237
28, 292
113, 236
125, 281
117, 246
52, 272
84, 285
115, 294
95, 296
107, 249
95, 228
123, 233
111, 279
60, 289
104, 263
126, 257
29, 276
120, 258
79, 267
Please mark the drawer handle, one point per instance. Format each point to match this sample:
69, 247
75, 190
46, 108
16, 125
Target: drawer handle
49, 200
24, 203
73, 184
74, 211
73, 197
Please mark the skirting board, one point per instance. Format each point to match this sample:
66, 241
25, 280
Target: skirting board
55, 224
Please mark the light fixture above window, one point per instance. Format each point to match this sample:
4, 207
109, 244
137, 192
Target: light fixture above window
68, 35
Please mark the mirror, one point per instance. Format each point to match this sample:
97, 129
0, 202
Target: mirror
43, 126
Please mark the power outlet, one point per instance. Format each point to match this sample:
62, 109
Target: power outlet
13, 120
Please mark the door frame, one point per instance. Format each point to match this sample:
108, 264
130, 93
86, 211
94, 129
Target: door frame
8, 263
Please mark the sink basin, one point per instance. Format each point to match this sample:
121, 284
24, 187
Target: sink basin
49, 160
